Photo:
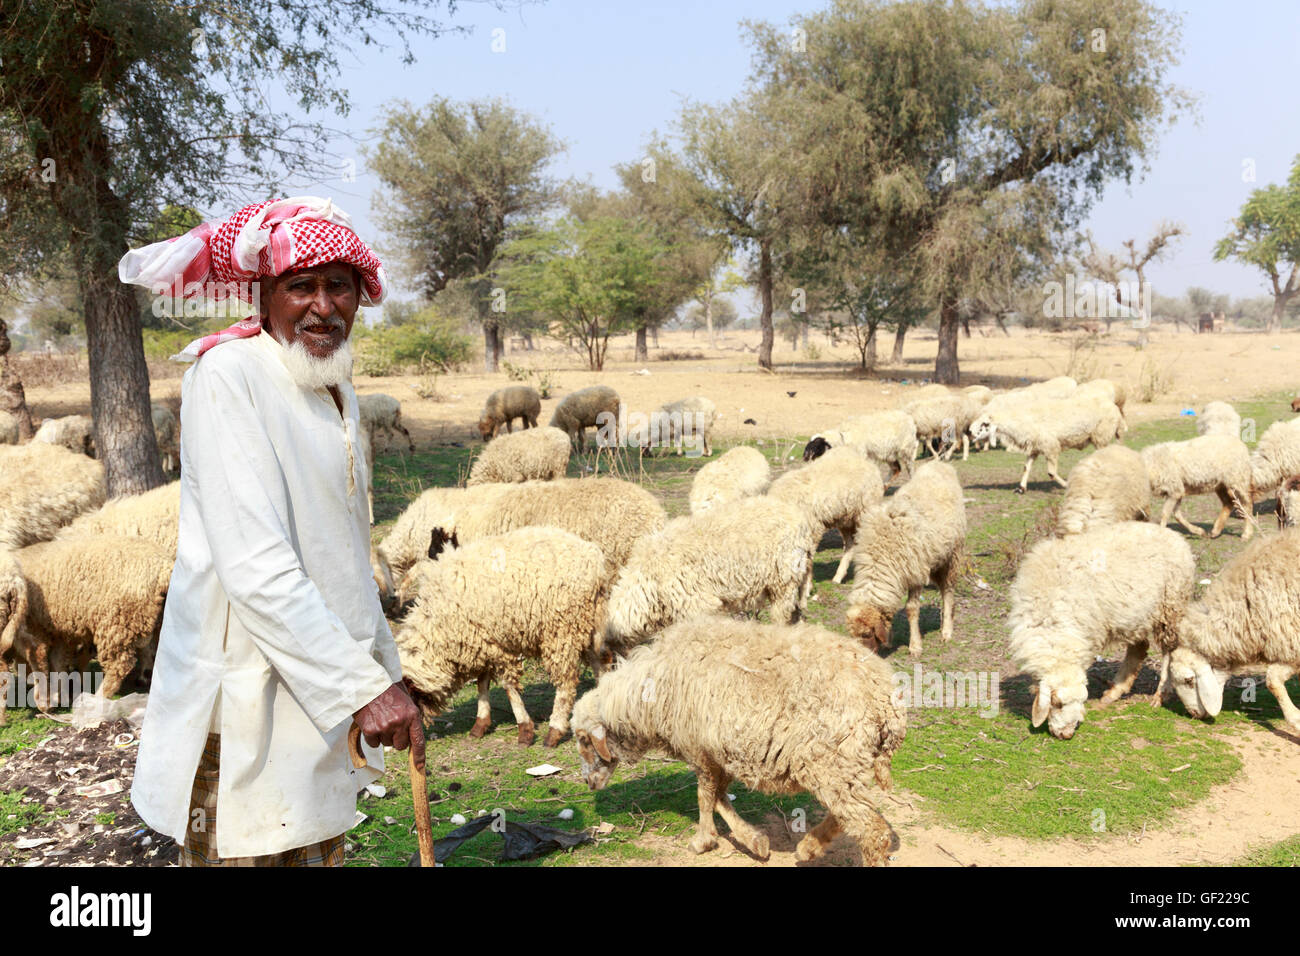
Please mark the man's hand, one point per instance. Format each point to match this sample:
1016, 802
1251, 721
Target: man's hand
393, 720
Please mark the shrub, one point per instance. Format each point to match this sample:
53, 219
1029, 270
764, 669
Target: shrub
426, 340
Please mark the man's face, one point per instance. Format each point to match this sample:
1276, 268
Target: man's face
313, 306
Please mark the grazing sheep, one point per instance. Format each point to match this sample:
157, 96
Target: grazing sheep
8, 429
1048, 427
687, 418
1104, 388
43, 488
1248, 620
381, 413
942, 422
981, 394
739, 473
168, 433
1218, 418
13, 611
153, 515
105, 591
782, 709
505, 405
1119, 585
886, 437
915, 538
74, 432
733, 558
1210, 463
1107, 486
1288, 503
834, 491
582, 410
482, 608
1276, 457
609, 513
538, 453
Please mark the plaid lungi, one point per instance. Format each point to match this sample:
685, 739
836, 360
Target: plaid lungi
201, 837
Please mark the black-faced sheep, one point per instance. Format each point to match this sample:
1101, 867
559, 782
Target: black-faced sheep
505, 405
886, 437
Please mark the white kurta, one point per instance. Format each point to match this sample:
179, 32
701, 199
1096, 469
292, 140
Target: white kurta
272, 607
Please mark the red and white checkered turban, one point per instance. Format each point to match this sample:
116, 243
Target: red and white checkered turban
220, 260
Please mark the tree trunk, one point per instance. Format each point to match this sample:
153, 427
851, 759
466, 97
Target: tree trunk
946, 369
491, 345
765, 294
528, 341
965, 325
654, 335
803, 331
642, 353
12, 398
708, 319
869, 359
896, 357
1001, 320
1275, 320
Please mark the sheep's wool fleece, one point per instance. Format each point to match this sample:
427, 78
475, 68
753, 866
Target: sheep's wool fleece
272, 621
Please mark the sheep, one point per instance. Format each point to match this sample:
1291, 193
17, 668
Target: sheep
13, 611
915, 538
609, 513
44, 487
103, 590
782, 709
73, 432
733, 558
382, 412
1295, 404
834, 491
1218, 418
738, 473
1288, 503
1210, 463
1107, 486
8, 428
1106, 389
538, 453
153, 515
1276, 457
583, 409
482, 608
1248, 620
167, 432
687, 418
981, 394
505, 405
887, 437
942, 420
1047, 427
1118, 585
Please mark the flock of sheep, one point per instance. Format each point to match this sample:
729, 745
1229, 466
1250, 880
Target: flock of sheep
524, 563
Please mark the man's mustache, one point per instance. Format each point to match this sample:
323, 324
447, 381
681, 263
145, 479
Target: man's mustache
334, 322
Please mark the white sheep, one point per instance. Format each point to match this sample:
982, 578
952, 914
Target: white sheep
915, 538
887, 437
1104, 388
1119, 585
43, 488
834, 491
381, 412
687, 421
8, 428
481, 609
1288, 502
1276, 457
1218, 418
538, 454
734, 558
13, 611
782, 709
74, 432
1107, 486
739, 473
153, 515
1211, 463
942, 421
1046, 428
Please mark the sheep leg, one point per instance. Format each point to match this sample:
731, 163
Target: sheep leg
1182, 519
5, 680
749, 836
914, 622
1128, 672
849, 536
483, 717
1024, 479
527, 730
1245, 504
1225, 511
706, 835
818, 839
965, 447
869, 828
1275, 678
1159, 696
946, 588
409, 440
1052, 461
565, 692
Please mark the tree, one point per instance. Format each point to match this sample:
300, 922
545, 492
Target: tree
456, 178
717, 312
1267, 235
722, 281
1107, 266
965, 136
109, 111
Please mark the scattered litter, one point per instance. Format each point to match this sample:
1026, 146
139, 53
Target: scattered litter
101, 789
389, 821
1188, 413
91, 710
481, 813
522, 840
376, 790
566, 814
30, 843
359, 819
123, 740
642, 371
1180, 769
604, 827
543, 770
458, 819
731, 796
983, 585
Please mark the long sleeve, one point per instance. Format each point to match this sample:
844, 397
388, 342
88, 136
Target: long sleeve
238, 476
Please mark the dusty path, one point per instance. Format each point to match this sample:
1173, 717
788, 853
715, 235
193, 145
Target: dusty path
1258, 807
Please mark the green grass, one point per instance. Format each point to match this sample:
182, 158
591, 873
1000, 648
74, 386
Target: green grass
1284, 853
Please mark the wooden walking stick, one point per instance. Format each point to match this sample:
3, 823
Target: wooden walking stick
419, 790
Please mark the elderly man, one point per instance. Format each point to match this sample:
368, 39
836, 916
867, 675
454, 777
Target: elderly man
273, 640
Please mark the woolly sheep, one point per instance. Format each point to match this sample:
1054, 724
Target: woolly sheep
381, 412
982, 394
583, 409
685, 422
538, 453
738, 473
782, 709
915, 538
1248, 620
887, 437
1111, 391
609, 513
1276, 457
733, 558
167, 431
13, 611
1288, 503
1107, 486
942, 421
482, 608
1210, 463
1218, 418
8, 429
153, 515
1046, 428
1119, 585
505, 405
74, 432
834, 491
44, 487
105, 591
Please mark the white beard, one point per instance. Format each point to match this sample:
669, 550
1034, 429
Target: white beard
311, 372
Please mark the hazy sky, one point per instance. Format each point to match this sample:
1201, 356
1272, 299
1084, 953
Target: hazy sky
604, 75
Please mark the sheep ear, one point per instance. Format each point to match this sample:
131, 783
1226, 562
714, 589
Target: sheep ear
1209, 689
1042, 705
598, 741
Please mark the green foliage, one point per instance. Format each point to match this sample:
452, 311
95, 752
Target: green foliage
1266, 234
427, 339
